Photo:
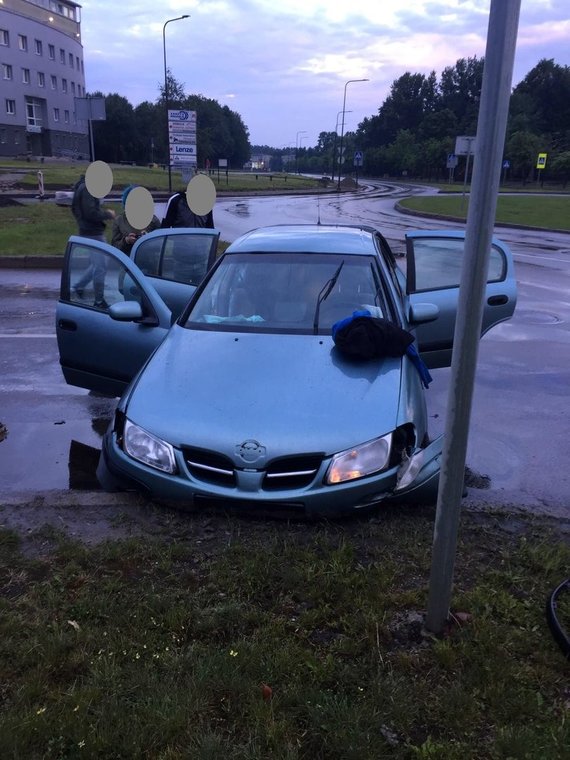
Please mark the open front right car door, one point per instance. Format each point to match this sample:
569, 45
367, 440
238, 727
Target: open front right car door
434, 263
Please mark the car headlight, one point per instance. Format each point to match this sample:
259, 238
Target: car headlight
147, 448
360, 461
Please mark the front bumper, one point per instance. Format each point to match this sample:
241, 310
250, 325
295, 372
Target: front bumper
118, 471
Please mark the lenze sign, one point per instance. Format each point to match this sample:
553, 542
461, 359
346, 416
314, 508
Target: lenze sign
182, 137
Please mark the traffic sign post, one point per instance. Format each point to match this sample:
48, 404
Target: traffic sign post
540, 165
358, 157
182, 141
451, 163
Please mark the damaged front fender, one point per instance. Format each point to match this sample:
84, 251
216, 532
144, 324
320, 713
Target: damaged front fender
418, 475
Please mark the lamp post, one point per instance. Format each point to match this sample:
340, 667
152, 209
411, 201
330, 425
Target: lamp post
342, 128
334, 144
297, 151
170, 20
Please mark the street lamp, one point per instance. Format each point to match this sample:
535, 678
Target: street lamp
297, 150
342, 128
170, 20
334, 144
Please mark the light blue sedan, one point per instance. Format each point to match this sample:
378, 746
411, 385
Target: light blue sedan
241, 397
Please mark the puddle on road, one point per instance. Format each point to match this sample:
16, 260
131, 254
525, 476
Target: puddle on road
56, 445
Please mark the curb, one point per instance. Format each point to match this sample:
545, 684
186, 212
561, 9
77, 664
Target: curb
31, 261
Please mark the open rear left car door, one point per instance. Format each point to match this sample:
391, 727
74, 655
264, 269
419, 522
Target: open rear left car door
102, 346
176, 260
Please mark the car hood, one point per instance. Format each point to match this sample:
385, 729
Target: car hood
290, 393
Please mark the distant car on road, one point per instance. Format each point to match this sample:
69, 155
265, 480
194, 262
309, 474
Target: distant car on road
241, 397
63, 197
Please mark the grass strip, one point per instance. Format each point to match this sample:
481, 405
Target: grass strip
235, 638
547, 211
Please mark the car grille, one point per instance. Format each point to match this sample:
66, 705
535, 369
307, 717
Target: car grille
291, 472
210, 467
280, 474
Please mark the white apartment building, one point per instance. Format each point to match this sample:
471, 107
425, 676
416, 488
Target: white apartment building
41, 74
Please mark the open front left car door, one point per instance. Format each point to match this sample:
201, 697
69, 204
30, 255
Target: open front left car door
102, 346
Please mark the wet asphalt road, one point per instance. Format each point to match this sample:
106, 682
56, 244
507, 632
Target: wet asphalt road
520, 418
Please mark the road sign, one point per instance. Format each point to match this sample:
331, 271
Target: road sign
541, 161
464, 145
358, 158
452, 161
506, 164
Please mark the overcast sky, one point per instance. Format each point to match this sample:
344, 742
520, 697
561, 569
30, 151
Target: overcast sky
283, 64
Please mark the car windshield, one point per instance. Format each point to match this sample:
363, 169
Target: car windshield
286, 292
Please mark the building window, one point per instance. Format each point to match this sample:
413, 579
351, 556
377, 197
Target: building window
26, 76
51, 52
11, 107
56, 114
41, 79
6, 71
38, 47
62, 56
64, 85
53, 80
23, 42
71, 60
77, 62
34, 112
4, 37
66, 117
73, 88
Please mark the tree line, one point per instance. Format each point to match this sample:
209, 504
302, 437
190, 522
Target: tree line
411, 135
416, 126
139, 134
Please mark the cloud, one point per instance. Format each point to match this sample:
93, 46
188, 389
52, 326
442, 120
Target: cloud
283, 65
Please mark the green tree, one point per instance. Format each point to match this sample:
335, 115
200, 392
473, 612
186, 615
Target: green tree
522, 150
114, 138
460, 92
543, 100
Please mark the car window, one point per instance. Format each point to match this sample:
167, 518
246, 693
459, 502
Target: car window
147, 256
185, 258
280, 291
97, 279
438, 263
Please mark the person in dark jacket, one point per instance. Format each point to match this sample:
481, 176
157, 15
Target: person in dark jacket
178, 214
91, 220
124, 235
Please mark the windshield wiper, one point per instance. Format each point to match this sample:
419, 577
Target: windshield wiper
324, 294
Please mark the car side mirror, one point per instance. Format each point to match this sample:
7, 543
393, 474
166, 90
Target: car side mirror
126, 311
423, 312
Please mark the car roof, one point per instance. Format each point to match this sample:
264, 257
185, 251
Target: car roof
307, 238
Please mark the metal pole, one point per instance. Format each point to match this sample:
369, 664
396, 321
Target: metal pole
493, 112
170, 20
334, 144
90, 123
303, 132
342, 128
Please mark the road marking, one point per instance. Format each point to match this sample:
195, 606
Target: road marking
28, 335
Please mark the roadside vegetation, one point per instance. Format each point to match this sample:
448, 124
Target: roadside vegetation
43, 228
549, 212
219, 636
63, 175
